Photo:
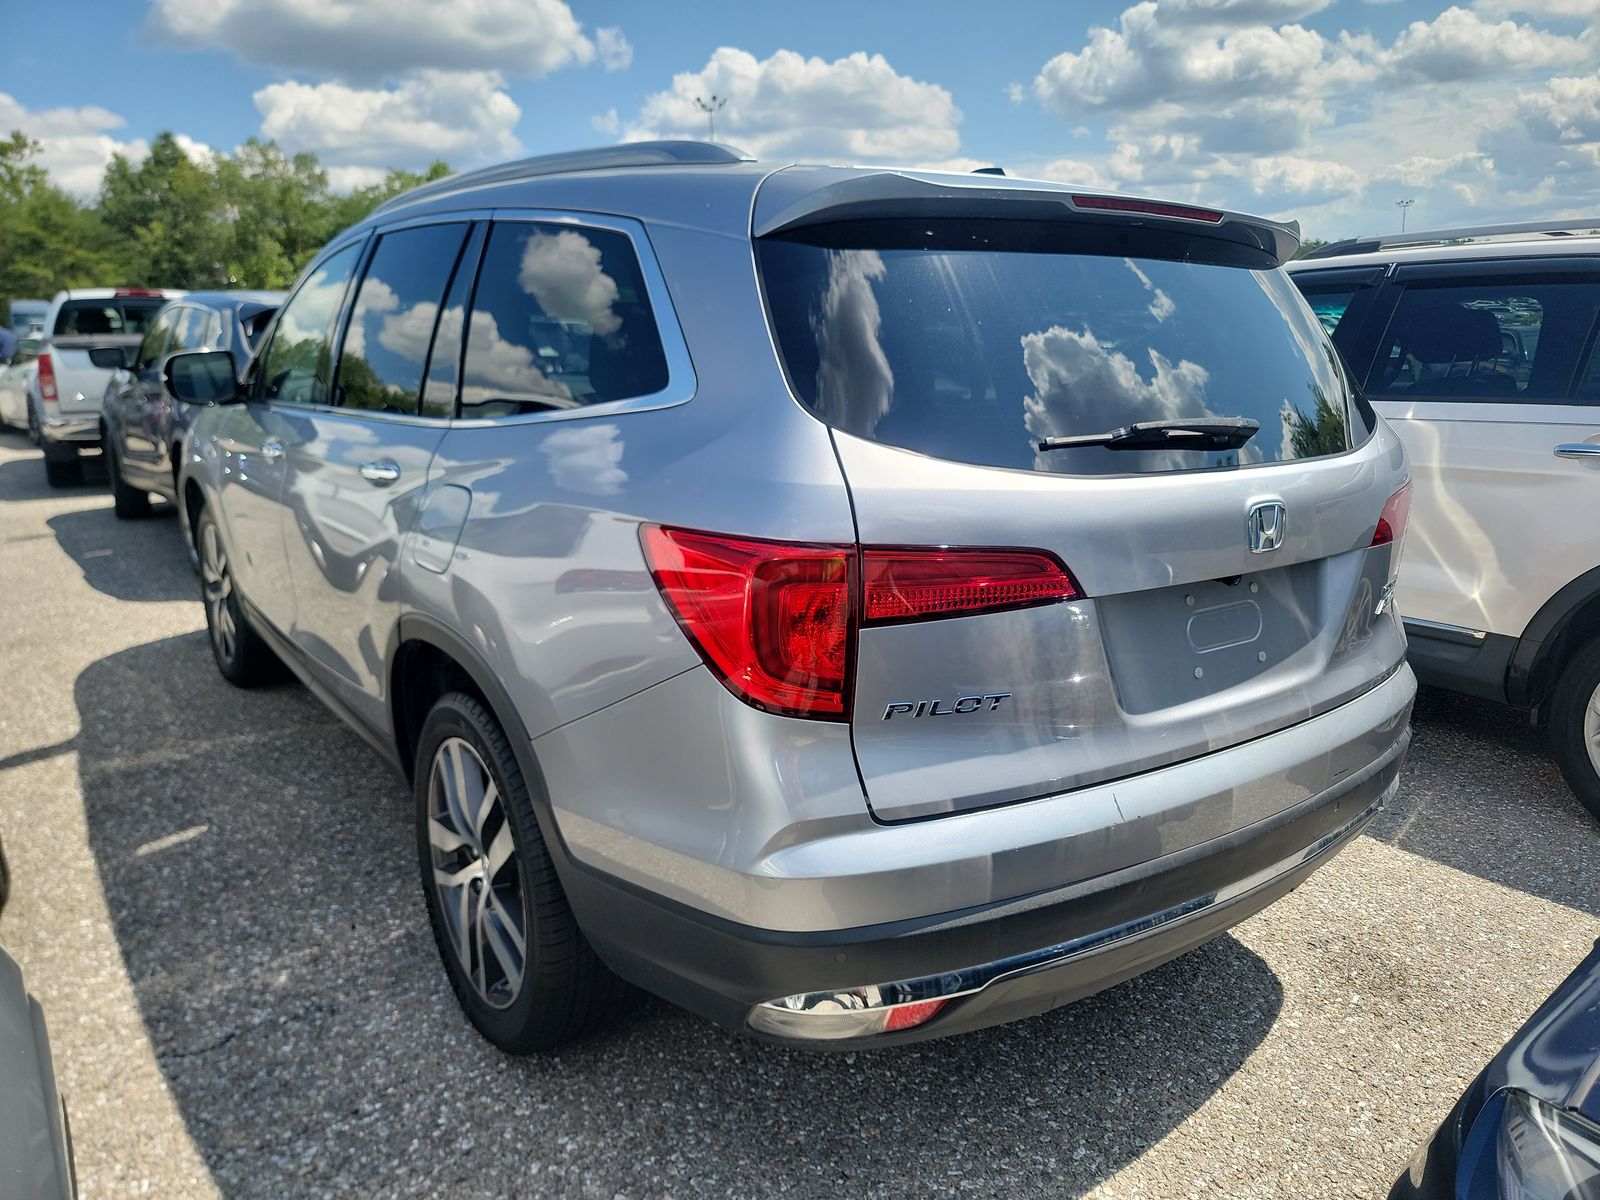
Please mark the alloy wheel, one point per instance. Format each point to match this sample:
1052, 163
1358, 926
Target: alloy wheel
217, 583
475, 873
1591, 729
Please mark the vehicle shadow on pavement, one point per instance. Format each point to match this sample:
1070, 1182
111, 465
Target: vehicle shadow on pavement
259, 868
23, 478
143, 559
1481, 792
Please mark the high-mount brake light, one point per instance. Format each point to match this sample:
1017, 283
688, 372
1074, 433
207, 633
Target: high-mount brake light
125, 293
1392, 521
1153, 208
777, 621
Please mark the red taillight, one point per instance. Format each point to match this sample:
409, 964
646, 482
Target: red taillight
121, 292
909, 1016
47, 378
776, 621
1154, 208
906, 585
1392, 521
772, 619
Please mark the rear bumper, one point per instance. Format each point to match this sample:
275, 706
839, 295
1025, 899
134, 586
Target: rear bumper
78, 431
996, 962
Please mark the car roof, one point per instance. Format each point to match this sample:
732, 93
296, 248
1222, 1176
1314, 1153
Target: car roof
713, 187
1573, 236
235, 299
122, 293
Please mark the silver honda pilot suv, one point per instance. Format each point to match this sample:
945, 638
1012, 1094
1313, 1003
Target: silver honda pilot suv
857, 605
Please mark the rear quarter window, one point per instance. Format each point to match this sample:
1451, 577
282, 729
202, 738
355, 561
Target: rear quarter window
560, 320
962, 351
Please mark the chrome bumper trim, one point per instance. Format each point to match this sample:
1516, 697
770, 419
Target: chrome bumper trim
836, 1014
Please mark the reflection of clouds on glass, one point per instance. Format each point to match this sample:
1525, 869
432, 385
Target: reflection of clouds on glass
407, 333
562, 272
1083, 386
312, 311
498, 369
586, 458
375, 297
854, 382
1162, 306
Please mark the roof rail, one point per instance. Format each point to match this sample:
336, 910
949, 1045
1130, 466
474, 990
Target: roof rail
1571, 227
603, 158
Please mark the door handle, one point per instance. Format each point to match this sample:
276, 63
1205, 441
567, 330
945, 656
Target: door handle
383, 472
1578, 450
272, 448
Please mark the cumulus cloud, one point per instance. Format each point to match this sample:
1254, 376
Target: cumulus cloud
615, 51
857, 107
1236, 102
436, 114
76, 144
369, 40
1459, 44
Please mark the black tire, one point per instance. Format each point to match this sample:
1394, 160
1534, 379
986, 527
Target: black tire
564, 992
1576, 751
128, 502
242, 656
62, 472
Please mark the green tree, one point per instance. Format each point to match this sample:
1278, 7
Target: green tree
347, 210
278, 215
48, 240
168, 215
252, 219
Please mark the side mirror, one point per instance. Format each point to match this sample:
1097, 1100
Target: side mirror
202, 377
111, 357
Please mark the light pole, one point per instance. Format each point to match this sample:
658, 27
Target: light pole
711, 108
1402, 205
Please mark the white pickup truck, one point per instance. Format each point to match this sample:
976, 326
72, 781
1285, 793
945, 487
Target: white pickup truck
66, 387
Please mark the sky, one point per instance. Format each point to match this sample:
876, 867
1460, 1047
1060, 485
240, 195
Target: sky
1324, 111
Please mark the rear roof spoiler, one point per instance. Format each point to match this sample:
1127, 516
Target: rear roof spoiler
892, 194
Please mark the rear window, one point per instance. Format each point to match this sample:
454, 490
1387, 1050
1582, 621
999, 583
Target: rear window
94, 318
951, 342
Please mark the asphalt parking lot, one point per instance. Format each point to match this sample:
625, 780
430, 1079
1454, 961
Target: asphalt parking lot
215, 901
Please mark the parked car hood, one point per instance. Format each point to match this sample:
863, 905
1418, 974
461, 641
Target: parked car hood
1556, 1055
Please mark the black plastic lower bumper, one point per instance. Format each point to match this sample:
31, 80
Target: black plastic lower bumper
721, 969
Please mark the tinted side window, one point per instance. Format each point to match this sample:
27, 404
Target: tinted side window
391, 325
207, 332
295, 366
560, 319
1330, 306
155, 341
185, 323
1497, 341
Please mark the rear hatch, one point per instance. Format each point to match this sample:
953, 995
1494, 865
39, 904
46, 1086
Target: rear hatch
83, 324
1222, 585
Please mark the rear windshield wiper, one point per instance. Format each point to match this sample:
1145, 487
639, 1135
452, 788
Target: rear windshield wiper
1199, 433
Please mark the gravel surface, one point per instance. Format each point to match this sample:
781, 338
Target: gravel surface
215, 901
